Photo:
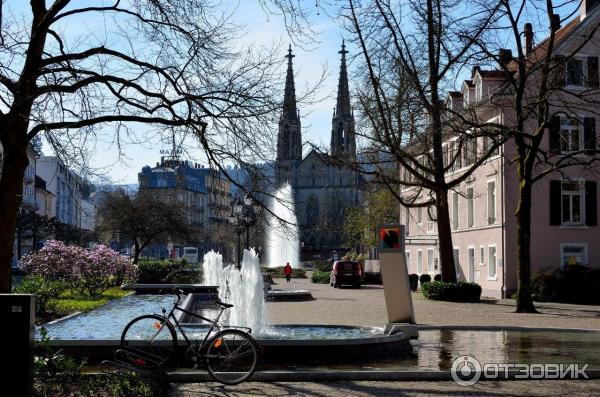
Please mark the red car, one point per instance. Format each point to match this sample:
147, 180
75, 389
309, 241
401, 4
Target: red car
346, 272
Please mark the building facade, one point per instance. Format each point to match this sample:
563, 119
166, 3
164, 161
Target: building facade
564, 226
323, 191
204, 192
71, 193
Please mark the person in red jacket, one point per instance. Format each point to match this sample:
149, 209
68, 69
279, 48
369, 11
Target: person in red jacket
287, 270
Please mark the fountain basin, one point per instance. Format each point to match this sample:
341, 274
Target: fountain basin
96, 334
279, 295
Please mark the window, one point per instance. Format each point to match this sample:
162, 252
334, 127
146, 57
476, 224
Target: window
491, 202
470, 207
571, 135
492, 261
572, 203
419, 261
576, 72
408, 259
482, 255
573, 254
430, 263
455, 210
488, 143
456, 253
419, 215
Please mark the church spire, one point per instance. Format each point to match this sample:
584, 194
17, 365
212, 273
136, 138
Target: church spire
289, 137
290, 111
343, 140
343, 97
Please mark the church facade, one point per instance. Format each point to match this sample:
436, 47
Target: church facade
323, 191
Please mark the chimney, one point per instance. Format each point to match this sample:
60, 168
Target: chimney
504, 56
528, 33
586, 7
555, 22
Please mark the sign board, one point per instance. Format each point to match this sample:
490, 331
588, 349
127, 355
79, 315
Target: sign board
391, 238
394, 273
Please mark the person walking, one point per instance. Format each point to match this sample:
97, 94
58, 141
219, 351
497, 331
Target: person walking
287, 270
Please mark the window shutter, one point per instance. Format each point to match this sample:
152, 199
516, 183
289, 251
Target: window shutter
558, 73
591, 204
592, 71
555, 193
554, 127
589, 135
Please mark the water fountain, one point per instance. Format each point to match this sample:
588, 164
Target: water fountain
283, 245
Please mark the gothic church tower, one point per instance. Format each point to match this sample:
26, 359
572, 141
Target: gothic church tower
343, 139
289, 138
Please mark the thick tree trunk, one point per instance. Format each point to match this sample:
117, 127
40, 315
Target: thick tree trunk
446, 254
523, 214
11, 187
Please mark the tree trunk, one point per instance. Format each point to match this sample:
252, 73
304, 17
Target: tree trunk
11, 185
446, 249
137, 249
523, 214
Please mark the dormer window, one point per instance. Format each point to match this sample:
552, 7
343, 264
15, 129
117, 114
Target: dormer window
582, 71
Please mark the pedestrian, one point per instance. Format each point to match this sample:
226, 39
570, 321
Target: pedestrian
287, 270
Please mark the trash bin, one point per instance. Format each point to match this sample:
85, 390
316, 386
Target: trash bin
17, 341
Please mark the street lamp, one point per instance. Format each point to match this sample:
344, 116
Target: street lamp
242, 217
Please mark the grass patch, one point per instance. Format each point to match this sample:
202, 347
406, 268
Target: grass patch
73, 301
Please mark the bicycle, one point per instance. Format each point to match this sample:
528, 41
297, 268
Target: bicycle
150, 341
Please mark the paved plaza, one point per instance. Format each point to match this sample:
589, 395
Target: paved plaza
396, 389
366, 306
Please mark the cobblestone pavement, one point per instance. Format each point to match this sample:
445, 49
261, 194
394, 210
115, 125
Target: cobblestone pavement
396, 389
366, 306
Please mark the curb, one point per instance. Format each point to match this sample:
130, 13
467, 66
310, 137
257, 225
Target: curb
189, 376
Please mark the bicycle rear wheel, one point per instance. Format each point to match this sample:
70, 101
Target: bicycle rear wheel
151, 339
231, 356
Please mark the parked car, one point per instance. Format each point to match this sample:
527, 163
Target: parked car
346, 272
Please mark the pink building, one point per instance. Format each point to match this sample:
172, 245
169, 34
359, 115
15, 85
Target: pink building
565, 205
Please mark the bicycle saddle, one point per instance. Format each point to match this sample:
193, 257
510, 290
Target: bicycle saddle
226, 305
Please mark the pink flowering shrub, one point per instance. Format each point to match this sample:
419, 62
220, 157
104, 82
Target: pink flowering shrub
89, 271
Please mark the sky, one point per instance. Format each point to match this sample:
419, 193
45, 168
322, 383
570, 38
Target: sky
261, 29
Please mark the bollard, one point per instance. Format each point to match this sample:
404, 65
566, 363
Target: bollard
17, 341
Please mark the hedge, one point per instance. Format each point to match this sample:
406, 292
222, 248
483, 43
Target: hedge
156, 271
320, 277
277, 272
454, 292
424, 278
572, 284
413, 279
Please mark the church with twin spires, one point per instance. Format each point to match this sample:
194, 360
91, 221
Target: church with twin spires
323, 192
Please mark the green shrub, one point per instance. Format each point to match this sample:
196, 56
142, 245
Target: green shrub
437, 277
320, 277
43, 289
571, 284
277, 272
424, 278
413, 279
156, 271
324, 266
454, 292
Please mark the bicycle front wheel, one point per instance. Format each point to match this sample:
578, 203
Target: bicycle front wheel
231, 356
151, 339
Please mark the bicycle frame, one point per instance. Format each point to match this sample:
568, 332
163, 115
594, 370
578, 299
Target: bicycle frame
214, 324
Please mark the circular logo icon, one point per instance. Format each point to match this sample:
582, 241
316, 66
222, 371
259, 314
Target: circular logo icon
466, 370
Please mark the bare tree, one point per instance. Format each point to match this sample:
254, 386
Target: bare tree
168, 63
143, 219
537, 94
404, 71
